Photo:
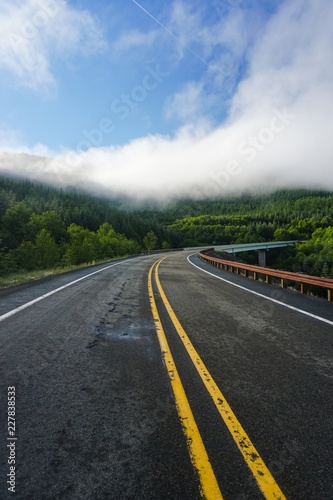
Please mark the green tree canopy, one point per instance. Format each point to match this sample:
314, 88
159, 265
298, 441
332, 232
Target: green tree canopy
14, 224
50, 221
150, 241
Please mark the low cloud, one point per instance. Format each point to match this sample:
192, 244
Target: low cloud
277, 134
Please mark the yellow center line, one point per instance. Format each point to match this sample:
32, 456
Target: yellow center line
199, 458
264, 478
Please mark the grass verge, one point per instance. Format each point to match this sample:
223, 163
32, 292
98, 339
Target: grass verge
22, 277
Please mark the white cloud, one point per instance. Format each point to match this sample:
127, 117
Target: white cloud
278, 133
221, 46
291, 58
134, 39
32, 31
188, 103
216, 42
184, 23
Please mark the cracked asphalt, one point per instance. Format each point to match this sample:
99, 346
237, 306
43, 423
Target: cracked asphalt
94, 407
95, 414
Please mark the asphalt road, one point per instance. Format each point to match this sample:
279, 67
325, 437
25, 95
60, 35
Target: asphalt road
96, 417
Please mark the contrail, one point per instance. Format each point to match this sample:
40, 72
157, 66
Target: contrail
175, 36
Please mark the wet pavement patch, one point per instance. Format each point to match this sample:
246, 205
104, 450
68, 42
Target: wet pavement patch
124, 329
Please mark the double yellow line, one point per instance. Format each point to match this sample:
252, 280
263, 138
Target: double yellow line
198, 454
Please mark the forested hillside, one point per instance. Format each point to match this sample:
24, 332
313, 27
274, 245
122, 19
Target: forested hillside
284, 215
43, 227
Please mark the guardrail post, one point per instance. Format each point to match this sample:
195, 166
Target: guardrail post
329, 294
302, 288
267, 278
283, 284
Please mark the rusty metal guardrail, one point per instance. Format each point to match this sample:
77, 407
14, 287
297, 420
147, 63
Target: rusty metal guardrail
257, 271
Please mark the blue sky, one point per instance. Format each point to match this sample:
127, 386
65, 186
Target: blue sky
85, 85
143, 97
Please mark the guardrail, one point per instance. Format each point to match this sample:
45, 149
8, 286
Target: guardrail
256, 271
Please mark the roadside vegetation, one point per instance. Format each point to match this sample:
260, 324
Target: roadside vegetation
45, 230
22, 276
301, 215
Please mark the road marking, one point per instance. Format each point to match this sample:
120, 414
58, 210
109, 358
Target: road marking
42, 297
197, 450
306, 313
264, 478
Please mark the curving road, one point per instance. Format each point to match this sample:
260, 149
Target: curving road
99, 407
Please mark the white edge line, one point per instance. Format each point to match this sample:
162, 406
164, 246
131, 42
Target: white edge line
42, 297
319, 318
